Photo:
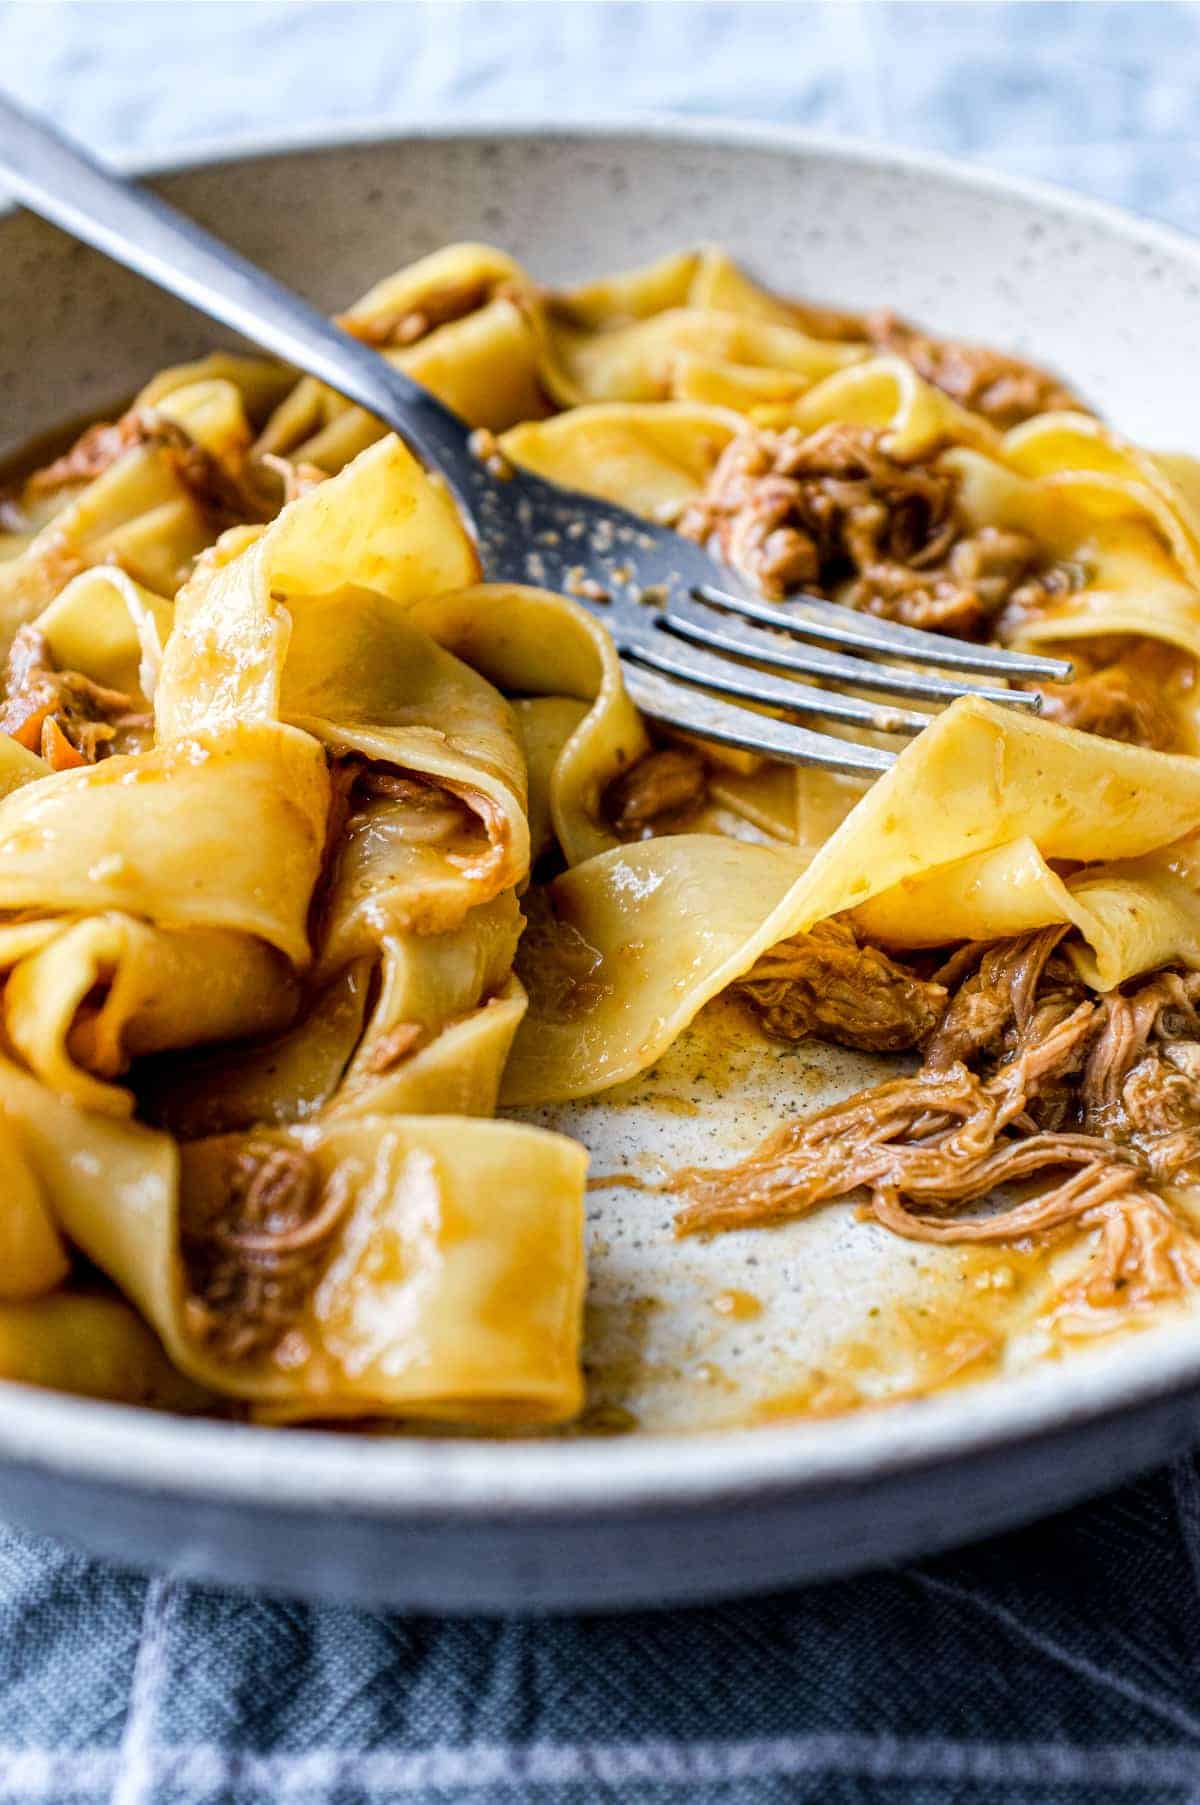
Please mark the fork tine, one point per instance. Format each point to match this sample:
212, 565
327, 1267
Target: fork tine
696, 621
698, 713
692, 664
811, 617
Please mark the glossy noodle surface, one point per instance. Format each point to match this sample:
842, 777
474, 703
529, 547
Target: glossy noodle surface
317, 851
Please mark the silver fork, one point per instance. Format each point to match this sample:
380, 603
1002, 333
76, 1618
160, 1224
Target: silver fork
682, 625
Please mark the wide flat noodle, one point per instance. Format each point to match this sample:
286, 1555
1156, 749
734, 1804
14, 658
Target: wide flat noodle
424, 1305
464, 322
283, 1078
653, 458
1134, 915
95, 1346
177, 887
107, 836
104, 990
355, 670
637, 362
148, 506
137, 513
383, 527
1112, 514
642, 937
111, 629
534, 644
296, 930
293, 627
33, 1257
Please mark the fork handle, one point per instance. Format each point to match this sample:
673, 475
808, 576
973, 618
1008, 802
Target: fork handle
136, 228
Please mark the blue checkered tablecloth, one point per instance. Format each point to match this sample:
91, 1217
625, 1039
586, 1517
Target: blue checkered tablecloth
1060, 1664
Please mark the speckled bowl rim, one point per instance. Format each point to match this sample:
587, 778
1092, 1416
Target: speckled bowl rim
425, 1480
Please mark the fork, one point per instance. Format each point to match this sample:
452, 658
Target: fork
688, 634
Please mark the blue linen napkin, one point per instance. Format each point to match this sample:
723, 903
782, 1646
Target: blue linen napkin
1055, 1666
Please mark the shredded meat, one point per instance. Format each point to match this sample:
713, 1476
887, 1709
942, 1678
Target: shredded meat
827, 983
1113, 703
832, 513
1142, 1080
253, 1258
959, 596
432, 814
1026, 1077
935, 1138
791, 511
1145, 1254
397, 1045
1006, 390
1030, 599
227, 496
65, 716
92, 454
467, 830
1000, 991
297, 479
657, 793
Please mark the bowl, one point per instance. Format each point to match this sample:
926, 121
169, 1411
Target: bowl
473, 1525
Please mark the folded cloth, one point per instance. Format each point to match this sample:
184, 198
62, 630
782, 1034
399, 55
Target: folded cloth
1054, 1666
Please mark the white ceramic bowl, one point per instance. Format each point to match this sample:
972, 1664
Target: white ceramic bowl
468, 1525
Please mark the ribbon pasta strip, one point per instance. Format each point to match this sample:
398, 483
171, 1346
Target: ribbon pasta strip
317, 860
314, 848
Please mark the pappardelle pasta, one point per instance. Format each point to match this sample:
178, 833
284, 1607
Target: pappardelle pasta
317, 851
